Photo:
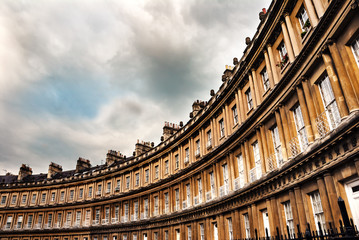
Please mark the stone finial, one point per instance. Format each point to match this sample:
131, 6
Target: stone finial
248, 40
235, 61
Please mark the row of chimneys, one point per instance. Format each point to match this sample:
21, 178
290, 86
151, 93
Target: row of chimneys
25, 170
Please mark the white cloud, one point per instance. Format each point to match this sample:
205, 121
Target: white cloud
79, 78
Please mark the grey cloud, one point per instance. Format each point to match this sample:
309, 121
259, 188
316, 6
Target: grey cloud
137, 64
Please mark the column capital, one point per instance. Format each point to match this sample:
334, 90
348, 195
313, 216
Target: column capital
285, 14
282, 22
265, 51
324, 48
298, 85
269, 45
253, 69
319, 178
303, 78
330, 41
327, 173
354, 5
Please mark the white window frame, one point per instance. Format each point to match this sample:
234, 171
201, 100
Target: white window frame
317, 210
277, 145
265, 79
230, 228
177, 197
355, 49
329, 102
289, 217
209, 138
221, 128
147, 175
303, 18
300, 127
247, 227
249, 99
137, 176
235, 114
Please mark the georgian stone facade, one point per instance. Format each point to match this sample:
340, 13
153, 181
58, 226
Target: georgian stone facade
275, 146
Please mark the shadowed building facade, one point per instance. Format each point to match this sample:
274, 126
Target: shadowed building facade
274, 147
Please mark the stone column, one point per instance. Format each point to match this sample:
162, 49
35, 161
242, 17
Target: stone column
236, 225
242, 104
273, 64
256, 86
226, 121
287, 41
247, 159
311, 108
264, 141
239, 107
344, 80
319, 7
293, 205
250, 218
260, 145
305, 113
292, 35
325, 202
214, 132
281, 135
230, 163
334, 81
311, 12
245, 164
275, 217
332, 196
286, 130
254, 220
271, 214
253, 93
300, 208
268, 68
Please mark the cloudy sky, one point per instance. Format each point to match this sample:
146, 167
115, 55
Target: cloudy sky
80, 77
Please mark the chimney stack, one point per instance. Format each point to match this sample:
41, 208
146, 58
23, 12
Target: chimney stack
25, 171
53, 169
142, 147
82, 164
114, 156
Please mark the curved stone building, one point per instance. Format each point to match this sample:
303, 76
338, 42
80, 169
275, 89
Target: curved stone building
274, 147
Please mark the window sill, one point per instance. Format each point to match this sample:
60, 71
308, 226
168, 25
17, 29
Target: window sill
285, 67
235, 125
249, 111
266, 92
305, 37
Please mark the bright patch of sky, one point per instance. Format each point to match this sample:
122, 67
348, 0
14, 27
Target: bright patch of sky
80, 77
